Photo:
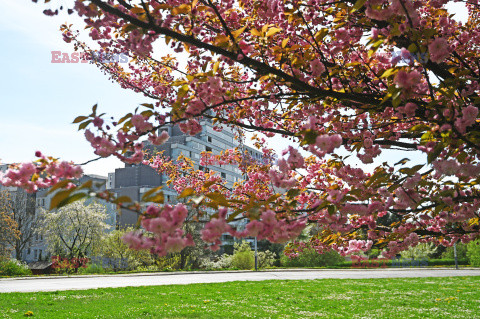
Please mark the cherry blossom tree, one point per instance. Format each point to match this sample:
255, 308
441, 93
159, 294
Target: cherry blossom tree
362, 78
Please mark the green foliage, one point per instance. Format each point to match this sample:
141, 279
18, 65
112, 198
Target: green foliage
266, 259
92, 269
168, 262
243, 256
119, 257
373, 253
223, 262
311, 258
243, 260
14, 267
421, 251
473, 253
403, 263
461, 252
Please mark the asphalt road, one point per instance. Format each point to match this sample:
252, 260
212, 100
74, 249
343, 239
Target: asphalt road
182, 278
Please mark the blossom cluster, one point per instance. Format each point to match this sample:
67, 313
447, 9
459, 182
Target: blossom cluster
41, 174
166, 226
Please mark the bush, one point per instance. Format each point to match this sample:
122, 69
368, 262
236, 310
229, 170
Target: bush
224, 262
461, 252
311, 258
92, 269
243, 256
243, 260
473, 253
266, 259
14, 267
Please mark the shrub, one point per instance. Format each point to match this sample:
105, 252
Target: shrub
461, 252
243, 260
224, 262
266, 258
243, 256
92, 269
473, 253
311, 258
14, 267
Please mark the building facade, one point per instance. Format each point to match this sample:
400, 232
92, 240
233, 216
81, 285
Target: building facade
135, 180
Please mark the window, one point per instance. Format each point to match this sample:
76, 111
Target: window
208, 148
35, 254
209, 139
203, 168
28, 251
40, 254
223, 175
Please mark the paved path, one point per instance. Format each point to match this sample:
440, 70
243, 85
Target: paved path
149, 279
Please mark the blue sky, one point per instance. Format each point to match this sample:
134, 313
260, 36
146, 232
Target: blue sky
40, 99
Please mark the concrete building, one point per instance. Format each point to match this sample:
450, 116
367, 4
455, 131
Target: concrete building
135, 180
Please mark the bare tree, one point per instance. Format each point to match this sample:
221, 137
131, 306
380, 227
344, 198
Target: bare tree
8, 227
21, 207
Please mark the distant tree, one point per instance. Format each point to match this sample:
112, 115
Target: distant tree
22, 207
119, 256
74, 230
8, 226
422, 250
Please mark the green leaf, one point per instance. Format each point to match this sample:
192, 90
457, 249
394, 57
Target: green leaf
412, 48
59, 197
293, 192
151, 192
389, 72
331, 209
272, 31
148, 105
218, 198
71, 199
58, 185
358, 5
79, 119
84, 125
122, 199
420, 128
87, 184
402, 161
309, 137
187, 192
436, 151
238, 32
208, 184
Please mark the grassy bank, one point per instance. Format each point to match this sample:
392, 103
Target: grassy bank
456, 297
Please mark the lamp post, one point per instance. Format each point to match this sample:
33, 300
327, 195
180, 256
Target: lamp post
455, 254
256, 255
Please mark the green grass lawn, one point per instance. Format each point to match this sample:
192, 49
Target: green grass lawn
457, 297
